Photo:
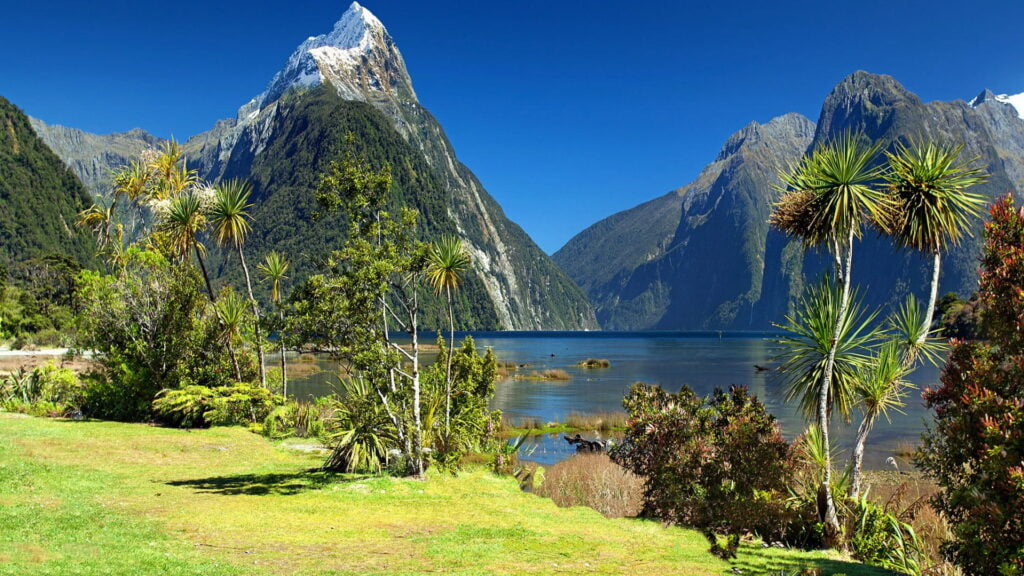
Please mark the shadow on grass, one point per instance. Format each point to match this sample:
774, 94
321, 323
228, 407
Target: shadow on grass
765, 561
267, 484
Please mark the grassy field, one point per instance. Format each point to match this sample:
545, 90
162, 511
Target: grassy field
108, 498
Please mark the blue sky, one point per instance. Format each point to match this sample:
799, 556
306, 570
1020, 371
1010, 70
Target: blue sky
567, 111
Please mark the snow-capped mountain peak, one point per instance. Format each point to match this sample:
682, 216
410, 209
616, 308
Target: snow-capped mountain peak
1015, 100
357, 57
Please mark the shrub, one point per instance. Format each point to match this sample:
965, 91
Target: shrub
594, 480
46, 390
880, 538
717, 463
975, 448
199, 406
595, 363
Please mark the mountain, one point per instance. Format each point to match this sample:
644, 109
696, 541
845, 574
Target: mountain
92, 157
353, 79
703, 256
39, 197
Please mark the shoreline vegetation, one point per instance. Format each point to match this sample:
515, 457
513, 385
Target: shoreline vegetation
222, 501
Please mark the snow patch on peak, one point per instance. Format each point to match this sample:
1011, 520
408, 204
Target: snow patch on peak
1015, 100
353, 36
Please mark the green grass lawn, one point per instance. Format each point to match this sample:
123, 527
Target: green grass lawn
109, 498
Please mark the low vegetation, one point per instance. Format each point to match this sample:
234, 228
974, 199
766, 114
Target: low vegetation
595, 363
595, 481
223, 501
550, 375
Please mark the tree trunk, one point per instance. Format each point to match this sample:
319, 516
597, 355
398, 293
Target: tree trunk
930, 311
416, 392
828, 514
858, 452
448, 371
284, 364
256, 315
213, 300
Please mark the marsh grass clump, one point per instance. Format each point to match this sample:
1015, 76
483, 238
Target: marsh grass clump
602, 421
594, 480
595, 363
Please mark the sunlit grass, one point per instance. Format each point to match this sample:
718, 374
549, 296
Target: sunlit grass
108, 498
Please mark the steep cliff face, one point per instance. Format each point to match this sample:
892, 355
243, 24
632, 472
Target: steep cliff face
360, 62
39, 197
725, 269
693, 258
92, 157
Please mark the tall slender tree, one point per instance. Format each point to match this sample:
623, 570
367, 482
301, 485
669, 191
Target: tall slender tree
229, 217
827, 198
447, 262
880, 387
181, 226
931, 208
274, 268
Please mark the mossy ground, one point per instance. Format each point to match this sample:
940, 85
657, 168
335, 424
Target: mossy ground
109, 498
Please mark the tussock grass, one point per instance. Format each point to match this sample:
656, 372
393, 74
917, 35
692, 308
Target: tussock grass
594, 480
109, 498
595, 363
553, 375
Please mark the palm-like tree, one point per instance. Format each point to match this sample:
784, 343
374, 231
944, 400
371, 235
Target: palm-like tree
447, 262
274, 268
931, 207
809, 344
229, 218
881, 386
182, 225
231, 312
827, 198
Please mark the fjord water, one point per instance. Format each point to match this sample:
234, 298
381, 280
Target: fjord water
701, 360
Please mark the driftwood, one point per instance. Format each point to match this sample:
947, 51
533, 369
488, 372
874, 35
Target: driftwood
584, 445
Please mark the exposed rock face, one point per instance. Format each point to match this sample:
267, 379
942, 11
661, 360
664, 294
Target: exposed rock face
711, 262
693, 258
93, 156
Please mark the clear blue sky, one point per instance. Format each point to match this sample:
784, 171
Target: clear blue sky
568, 111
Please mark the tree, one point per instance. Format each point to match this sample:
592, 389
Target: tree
372, 284
975, 448
827, 197
230, 220
231, 311
930, 208
448, 262
274, 268
717, 463
880, 387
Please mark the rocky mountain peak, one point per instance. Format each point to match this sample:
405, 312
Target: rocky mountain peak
357, 57
856, 102
787, 126
1014, 100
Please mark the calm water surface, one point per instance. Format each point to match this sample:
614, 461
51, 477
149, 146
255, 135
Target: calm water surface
702, 361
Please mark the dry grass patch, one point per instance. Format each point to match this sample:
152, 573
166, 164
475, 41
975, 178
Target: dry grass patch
595, 481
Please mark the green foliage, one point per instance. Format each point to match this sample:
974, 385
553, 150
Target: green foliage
805, 349
931, 208
153, 330
718, 463
472, 424
363, 437
880, 538
38, 301
200, 406
46, 390
40, 197
975, 448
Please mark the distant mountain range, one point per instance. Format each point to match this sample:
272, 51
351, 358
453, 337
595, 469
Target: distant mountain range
354, 79
703, 256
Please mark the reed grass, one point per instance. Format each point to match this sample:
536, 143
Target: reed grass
602, 421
